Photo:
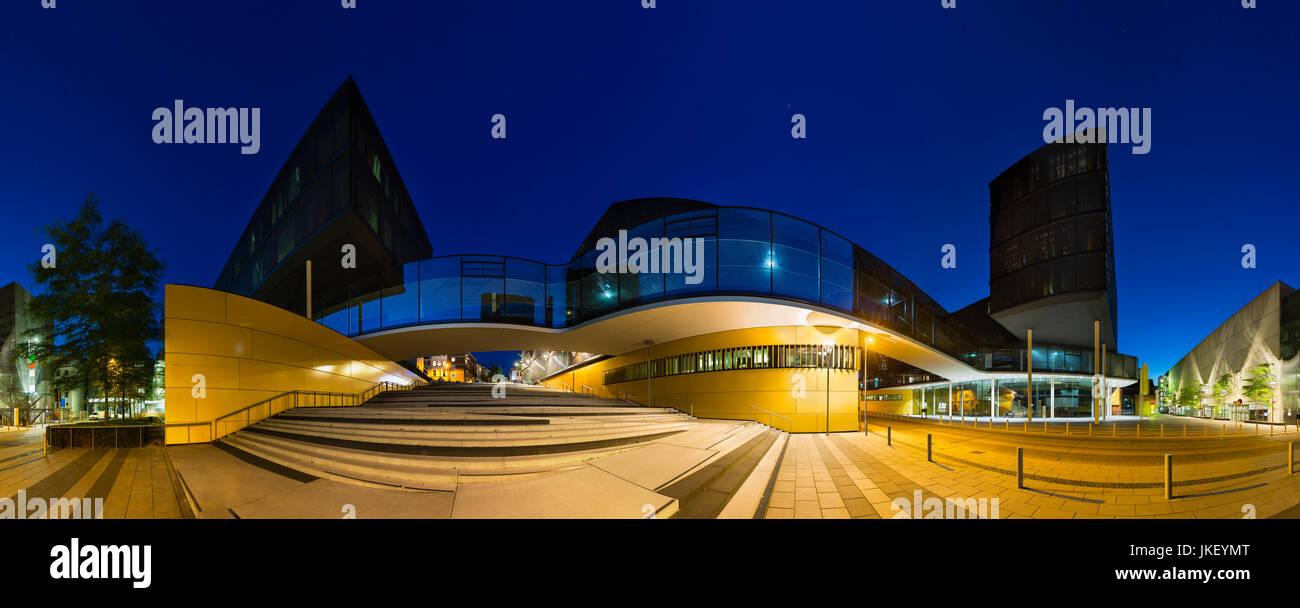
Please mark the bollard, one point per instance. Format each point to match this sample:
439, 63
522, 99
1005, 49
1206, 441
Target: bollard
1290, 458
1112, 429
1008, 421
1162, 431
1169, 476
1020, 468
1184, 430
929, 447
1139, 431
1044, 427
889, 436
1026, 425
1090, 429
1067, 428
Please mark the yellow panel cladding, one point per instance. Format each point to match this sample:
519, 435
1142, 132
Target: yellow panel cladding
247, 351
795, 397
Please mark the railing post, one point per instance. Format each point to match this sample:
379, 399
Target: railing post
889, 436
1169, 476
929, 447
1020, 468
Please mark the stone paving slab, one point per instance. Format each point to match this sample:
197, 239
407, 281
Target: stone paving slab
133, 482
834, 475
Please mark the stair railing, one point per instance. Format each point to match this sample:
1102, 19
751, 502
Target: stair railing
771, 416
247, 416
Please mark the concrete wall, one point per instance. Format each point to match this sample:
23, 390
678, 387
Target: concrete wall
730, 394
1246, 340
249, 351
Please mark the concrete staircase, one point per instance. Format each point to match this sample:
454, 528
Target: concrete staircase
436, 437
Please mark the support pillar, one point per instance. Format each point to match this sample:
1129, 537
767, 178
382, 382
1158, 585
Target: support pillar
1051, 395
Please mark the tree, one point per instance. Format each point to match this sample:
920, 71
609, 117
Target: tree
495, 371
96, 305
1190, 396
1221, 389
1259, 384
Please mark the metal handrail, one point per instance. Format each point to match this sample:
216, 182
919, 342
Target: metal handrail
590, 392
675, 403
789, 422
343, 400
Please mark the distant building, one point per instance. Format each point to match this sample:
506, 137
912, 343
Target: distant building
449, 368
1262, 338
23, 382
537, 365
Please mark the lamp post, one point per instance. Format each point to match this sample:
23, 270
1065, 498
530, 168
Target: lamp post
827, 345
649, 344
1029, 365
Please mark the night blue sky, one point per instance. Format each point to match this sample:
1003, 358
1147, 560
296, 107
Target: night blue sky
911, 110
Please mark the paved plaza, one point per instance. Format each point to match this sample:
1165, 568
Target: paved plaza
134, 483
845, 475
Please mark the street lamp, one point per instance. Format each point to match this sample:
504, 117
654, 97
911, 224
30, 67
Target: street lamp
827, 345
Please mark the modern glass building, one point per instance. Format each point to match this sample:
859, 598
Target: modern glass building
1051, 249
747, 253
339, 186
773, 298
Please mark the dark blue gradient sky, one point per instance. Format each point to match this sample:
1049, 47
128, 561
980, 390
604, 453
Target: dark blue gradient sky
912, 110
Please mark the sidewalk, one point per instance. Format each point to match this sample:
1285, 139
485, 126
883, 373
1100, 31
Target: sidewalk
838, 475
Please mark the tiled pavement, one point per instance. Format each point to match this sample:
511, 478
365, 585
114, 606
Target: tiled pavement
849, 475
134, 482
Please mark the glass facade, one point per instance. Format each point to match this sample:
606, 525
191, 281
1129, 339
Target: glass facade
1050, 228
340, 168
1289, 372
774, 356
746, 252
1005, 397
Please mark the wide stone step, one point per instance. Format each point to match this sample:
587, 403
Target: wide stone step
564, 426
547, 435
411, 471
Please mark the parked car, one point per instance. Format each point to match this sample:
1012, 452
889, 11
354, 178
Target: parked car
97, 415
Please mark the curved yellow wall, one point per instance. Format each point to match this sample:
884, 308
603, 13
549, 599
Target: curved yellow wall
730, 394
249, 351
